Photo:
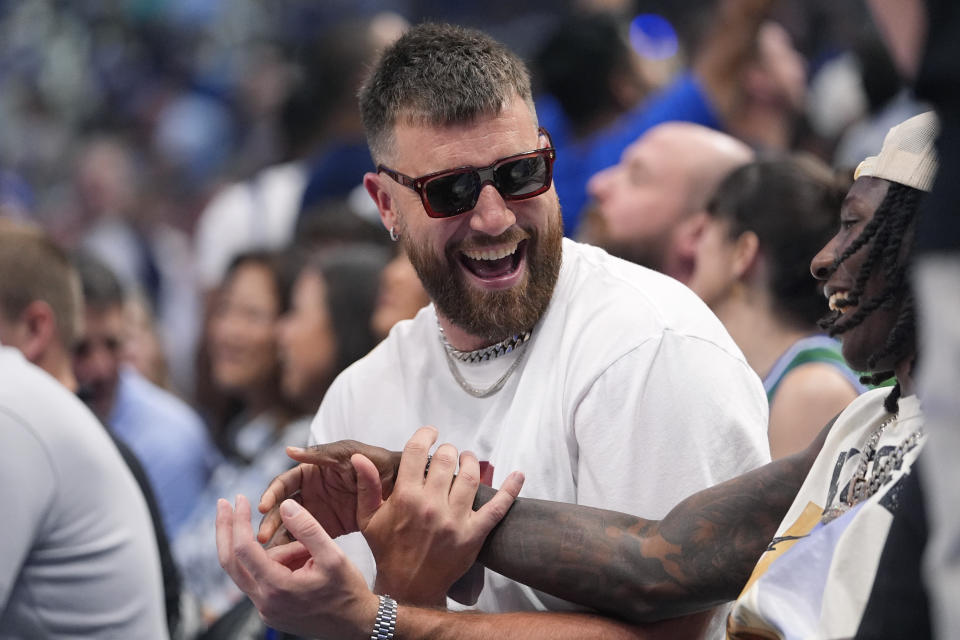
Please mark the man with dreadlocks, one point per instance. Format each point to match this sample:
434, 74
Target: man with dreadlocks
838, 527
823, 575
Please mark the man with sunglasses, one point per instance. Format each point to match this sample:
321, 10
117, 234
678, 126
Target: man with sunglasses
608, 384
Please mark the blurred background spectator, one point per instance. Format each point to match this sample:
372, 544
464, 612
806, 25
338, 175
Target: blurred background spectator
767, 219
164, 432
249, 414
242, 399
651, 206
41, 315
400, 295
328, 325
324, 328
168, 136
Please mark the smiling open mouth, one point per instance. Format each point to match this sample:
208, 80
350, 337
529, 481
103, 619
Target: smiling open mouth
840, 302
494, 262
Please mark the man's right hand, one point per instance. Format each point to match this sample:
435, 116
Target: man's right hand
325, 483
427, 535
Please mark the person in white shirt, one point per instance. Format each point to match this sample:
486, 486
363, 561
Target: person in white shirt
608, 384
827, 541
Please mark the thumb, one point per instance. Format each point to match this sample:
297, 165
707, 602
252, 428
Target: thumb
309, 455
368, 488
305, 528
490, 514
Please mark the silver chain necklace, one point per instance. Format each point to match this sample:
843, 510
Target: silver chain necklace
483, 354
487, 353
480, 392
873, 471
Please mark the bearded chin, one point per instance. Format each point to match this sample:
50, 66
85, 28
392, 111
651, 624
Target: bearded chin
492, 315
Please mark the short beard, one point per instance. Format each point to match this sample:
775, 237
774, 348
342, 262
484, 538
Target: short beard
492, 315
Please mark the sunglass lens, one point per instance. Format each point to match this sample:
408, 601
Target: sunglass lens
523, 176
454, 193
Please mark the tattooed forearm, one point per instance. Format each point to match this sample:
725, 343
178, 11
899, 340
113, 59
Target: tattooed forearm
701, 554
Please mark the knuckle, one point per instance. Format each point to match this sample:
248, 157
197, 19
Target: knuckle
242, 551
446, 455
496, 512
403, 497
468, 478
415, 447
429, 513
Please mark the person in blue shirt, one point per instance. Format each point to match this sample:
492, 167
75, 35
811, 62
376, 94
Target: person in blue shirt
165, 433
745, 79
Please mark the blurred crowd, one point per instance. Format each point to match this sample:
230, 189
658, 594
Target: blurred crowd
166, 137
201, 161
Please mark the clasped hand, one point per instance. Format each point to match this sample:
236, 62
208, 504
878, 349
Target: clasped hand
427, 535
423, 533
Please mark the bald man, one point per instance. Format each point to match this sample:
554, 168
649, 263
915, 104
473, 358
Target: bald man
651, 206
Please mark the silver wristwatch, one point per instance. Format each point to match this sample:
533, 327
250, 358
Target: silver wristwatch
386, 622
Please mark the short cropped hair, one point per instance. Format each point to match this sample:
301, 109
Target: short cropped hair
33, 267
439, 74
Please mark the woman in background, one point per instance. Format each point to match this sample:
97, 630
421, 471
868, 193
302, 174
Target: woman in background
328, 326
246, 408
768, 219
323, 329
401, 295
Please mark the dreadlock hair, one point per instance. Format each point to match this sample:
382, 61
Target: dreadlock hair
884, 237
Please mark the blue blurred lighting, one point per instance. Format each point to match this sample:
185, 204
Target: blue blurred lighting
652, 36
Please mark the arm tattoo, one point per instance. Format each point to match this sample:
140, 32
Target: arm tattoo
700, 555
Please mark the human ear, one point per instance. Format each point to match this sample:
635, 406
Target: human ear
373, 183
688, 235
746, 253
38, 330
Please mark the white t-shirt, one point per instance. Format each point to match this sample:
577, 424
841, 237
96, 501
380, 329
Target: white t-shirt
78, 553
815, 578
631, 396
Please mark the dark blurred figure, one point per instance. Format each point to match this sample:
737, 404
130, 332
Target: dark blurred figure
745, 78
588, 66
889, 102
338, 222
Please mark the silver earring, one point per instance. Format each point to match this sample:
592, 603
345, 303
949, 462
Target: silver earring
394, 235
